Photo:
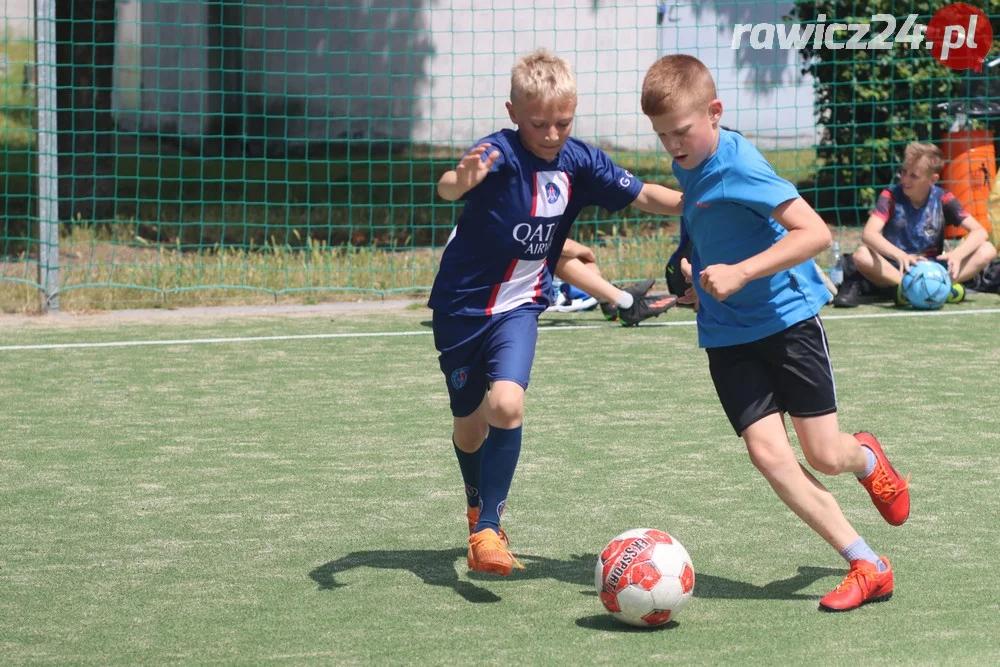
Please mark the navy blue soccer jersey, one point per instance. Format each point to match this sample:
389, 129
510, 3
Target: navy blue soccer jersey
918, 231
505, 246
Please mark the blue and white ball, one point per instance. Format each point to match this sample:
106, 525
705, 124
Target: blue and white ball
927, 285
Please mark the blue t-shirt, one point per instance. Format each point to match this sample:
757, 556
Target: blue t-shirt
918, 231
510, 234
728, 201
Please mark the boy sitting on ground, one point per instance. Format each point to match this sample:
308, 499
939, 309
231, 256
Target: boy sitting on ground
907, 226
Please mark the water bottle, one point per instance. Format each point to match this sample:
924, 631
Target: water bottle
556, 288
837, 269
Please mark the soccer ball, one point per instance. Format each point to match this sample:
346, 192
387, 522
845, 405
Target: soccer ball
644, 577
926, 285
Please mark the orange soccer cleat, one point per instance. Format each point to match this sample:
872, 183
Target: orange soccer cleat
489, 553
863, 584
889, 491
472, 514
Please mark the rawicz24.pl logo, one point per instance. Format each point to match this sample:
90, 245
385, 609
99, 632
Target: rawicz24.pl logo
958, 35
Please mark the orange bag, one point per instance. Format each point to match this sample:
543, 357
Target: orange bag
969, 171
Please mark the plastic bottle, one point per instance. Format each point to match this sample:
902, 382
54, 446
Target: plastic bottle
837, 269
556, 288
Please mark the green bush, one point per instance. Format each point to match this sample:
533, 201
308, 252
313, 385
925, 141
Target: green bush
871, 103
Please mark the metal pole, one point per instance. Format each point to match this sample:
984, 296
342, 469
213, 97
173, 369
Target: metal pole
48, 154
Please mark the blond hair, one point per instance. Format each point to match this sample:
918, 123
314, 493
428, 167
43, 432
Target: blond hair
915, 151
541, 75
676, 82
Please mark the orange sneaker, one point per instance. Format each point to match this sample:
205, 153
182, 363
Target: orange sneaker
489, 553
889, 491
863, 584
472, 514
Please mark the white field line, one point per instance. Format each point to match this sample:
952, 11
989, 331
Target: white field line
393, 334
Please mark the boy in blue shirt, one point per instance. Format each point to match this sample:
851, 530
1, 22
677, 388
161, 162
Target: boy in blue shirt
907, 226
753, 240
522, 190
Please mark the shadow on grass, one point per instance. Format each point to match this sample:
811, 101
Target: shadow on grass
709, 586
609, 623
437, 567
720, 588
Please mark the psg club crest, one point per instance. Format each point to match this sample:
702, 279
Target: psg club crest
551, 192
459, 377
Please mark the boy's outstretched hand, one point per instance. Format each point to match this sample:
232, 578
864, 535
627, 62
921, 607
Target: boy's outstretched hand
472, 169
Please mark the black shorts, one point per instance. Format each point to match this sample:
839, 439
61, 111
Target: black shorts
789, 372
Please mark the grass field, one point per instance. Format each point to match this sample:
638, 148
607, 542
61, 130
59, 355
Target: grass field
289, 496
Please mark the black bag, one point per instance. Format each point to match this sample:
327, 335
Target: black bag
988, 280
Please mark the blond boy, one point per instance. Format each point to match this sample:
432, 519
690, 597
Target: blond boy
522, 191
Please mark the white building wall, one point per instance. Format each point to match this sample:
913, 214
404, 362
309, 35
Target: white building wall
18, 18
438, 72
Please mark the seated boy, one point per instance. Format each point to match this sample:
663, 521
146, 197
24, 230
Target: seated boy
907, 226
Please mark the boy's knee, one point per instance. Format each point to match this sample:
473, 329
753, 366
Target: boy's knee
508, 413
507, 408
825, 457
470, 432
864, 258
770, 458
824, 463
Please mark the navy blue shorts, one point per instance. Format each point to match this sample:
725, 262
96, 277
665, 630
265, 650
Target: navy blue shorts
476, 351
789, 371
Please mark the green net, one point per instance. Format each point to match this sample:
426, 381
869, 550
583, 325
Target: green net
223, 151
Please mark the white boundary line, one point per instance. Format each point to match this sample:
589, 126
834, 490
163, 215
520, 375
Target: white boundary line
393, 334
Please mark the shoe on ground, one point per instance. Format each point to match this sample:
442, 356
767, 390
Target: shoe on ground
610, 311
849, 295
901, 299
644, 308
957, 294
889, 491
472, 514
852, 293
488, 553
863, 584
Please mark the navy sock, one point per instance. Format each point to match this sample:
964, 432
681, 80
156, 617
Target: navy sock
859, 550
469, 464
496, 471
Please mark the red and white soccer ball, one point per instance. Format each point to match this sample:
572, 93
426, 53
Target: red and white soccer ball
644, 577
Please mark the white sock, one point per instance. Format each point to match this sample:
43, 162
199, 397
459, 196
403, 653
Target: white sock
859, 550
870, 467
625, 300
